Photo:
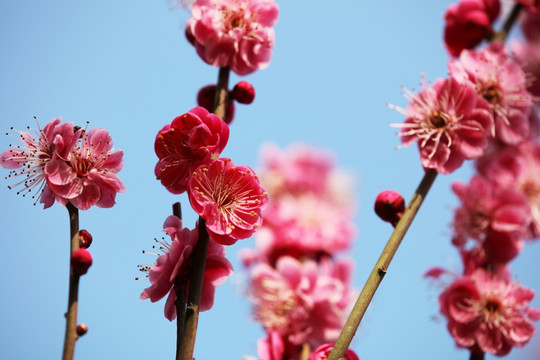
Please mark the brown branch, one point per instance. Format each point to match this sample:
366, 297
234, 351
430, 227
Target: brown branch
381, 267
71, 316
508, 23
180, 288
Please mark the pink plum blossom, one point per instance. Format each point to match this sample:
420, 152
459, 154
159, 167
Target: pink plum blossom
527, 55
305, 225
89, 177
174, 264
469, 22
271, 347
448, 122
530, 26
297, 169
502, 83
230, 199
322, 352
238, 34
517, 167
302, 301
530, 5
497, 217
27, 162
189, 141
488, 313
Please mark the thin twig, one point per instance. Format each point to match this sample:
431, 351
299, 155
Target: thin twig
180, 288
509, 22
477, 356
381, 267
71, 316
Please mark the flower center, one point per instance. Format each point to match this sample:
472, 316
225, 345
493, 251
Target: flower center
437, 120
491, 93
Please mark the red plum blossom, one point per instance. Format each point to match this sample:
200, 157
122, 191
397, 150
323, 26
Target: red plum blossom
489, 313
236, 34
230, 199
518, 168
502, 83
448, 122
27, 162
173, 265
191, 140
89, 177
322, 352
497, 217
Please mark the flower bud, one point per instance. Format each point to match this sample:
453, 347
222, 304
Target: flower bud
81, 260
243, 92
85, 239
205, 98
81, 329
389, 206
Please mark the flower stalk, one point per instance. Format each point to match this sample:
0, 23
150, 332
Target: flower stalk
381, 267
508, 23
477, 356
71, 316
180, 295
187, 343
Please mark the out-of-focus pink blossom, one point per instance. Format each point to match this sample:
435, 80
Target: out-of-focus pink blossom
486, 312
306, 225
238, 34
530, 5
54, 142
530, 26
469, 22
295, 170
189, 141
173, 266
271, 347
497, 217
322, 352
517, 167
502, 83
527, 54
302, 301
89, 177
448, 122
230, 199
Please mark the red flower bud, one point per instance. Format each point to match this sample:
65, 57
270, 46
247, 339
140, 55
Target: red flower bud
81, 329
389, 206
81, 260
205, 98
85, 239
243, 92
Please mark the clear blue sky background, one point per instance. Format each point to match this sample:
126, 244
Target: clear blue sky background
125, 65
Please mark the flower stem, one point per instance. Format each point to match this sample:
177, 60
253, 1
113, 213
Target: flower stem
477, 356
381, 267
179, 286
71, 315
199, 252
508, 23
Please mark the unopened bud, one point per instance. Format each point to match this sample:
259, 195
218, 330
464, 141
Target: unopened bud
243, 92
81, 329
81, 260
389, 206
205, 98
85, 239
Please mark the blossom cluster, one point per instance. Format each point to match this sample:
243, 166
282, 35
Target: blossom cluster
66, 164
299, 289
487, 311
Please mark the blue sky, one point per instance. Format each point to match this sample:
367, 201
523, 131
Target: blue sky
126, 66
